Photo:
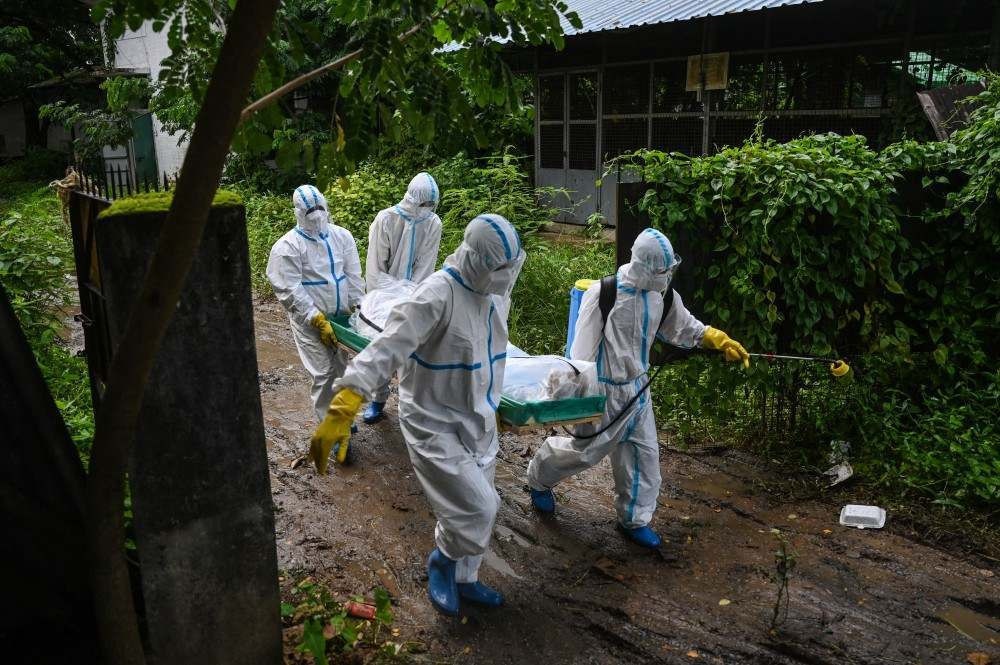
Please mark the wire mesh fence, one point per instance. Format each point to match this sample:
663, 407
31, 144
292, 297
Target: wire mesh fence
866, 89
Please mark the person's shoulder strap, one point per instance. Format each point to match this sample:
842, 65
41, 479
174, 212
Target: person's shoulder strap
608, 295
668, 305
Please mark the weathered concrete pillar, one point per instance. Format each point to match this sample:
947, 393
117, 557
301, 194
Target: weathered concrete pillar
201, 494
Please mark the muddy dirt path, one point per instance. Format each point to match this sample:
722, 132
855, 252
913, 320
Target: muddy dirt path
577, 592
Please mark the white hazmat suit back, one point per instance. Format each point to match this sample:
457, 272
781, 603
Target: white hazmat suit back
449, 344
315, 268
621, 347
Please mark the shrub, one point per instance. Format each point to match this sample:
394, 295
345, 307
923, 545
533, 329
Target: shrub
792, 242
35, 257
945, 444
269, 216
821, 246
36, 166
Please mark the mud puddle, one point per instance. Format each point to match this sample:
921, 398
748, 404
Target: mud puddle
577, 592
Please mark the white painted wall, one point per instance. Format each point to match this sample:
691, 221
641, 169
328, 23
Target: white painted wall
143, 51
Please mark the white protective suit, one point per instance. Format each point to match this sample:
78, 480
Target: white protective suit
621, 350
403, 242
315, 268
449, 344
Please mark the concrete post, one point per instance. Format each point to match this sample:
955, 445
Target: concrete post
201, 497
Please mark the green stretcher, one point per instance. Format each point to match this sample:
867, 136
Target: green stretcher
516, 416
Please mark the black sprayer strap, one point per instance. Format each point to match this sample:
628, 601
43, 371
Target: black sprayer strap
609, 294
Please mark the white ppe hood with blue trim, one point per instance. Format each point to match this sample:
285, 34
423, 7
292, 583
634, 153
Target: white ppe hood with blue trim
653, 262
311, 214
404, 239
490, 256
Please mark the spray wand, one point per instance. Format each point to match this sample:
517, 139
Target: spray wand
838, 367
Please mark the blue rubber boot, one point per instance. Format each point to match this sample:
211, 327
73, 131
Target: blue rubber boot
441, 587
374, 413
544, 501
643, 535
479, 593
350, 449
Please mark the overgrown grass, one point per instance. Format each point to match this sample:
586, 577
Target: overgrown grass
540, 306
35, 259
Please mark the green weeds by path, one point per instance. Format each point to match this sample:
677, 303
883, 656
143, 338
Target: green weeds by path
36, 257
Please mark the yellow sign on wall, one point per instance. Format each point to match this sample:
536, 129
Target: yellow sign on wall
716, 71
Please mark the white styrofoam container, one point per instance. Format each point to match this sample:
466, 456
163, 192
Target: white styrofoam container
862, 517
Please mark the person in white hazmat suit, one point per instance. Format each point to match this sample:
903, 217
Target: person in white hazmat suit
403, 243
315, 272
449, 343
621, 348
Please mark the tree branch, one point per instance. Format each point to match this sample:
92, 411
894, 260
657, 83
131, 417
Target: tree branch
298, 82
119, 411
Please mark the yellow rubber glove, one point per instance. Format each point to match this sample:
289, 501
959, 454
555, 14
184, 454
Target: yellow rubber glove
716, 340
326, 334
335, 429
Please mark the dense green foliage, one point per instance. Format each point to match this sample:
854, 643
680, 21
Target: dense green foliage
44, 40
25, 173
409, 93
540, 303
823, 246
102, 120
35, 258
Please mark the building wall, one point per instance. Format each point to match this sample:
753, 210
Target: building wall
143, 51
11, 129
851, 67
12, 137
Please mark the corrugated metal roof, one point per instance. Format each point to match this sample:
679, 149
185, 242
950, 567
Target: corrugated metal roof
601, 15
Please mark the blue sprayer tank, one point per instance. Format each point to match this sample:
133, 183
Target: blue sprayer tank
575, 297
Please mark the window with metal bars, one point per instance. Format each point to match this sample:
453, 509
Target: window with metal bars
622, 135
730, 131
550, 97
747, 85
677, 135
626, 89
583, 146
550, 146
669, 96
583, 96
